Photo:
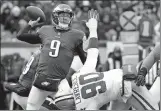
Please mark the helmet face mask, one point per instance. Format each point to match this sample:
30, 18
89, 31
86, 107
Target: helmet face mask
62, 17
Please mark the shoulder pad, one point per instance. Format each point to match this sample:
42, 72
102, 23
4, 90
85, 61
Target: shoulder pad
78, 32
43, 28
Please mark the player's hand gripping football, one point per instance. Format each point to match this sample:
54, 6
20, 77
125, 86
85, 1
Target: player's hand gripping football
92, 22
33, 23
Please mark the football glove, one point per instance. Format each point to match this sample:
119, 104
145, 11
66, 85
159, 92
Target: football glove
92, 19
140, 79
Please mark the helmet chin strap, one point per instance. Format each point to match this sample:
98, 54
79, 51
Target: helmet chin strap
61, 25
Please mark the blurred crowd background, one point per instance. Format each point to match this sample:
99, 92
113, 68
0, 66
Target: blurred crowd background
13, 17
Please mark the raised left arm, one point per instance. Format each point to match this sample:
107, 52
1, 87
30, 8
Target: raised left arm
92, 49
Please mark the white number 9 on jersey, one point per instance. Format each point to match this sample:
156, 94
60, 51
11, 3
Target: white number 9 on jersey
55, 44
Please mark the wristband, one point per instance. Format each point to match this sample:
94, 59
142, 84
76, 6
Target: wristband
93, 33
143, 71
93, 43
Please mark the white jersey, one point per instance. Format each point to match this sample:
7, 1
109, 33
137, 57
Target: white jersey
76, 63
93, 90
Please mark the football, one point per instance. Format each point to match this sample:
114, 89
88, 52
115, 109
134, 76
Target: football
35, 12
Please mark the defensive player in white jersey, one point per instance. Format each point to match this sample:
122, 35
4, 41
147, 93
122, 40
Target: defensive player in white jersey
89, 87
148, 62
92, 89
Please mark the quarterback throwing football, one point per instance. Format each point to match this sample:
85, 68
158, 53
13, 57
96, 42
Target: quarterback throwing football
60, 42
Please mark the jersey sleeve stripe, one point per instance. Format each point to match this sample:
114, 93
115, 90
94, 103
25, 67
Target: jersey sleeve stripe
139, 102
144, 100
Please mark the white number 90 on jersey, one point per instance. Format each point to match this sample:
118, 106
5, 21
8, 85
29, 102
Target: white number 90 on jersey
86, 87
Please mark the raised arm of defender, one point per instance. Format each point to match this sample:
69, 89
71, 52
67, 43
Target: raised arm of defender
92, 50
